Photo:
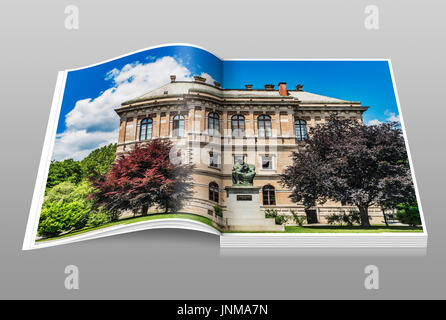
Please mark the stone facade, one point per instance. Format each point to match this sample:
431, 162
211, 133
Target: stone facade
214, 127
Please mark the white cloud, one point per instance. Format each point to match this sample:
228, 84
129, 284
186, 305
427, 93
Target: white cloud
391, 116
373, 122
77, 144
93, 122
208, 78
130, 82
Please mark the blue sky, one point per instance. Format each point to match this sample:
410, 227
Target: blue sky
89, 83
88, 120
367, 81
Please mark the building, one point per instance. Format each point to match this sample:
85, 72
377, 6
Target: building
215, 127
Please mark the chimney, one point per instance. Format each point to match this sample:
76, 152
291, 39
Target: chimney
199, 79
172, 78
269, 87
299, 87
217, 84
282, 89
248, 86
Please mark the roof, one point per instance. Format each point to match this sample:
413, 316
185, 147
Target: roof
186, 87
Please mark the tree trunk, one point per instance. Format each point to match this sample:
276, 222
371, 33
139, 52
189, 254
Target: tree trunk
364, 214
385, 217
144, 210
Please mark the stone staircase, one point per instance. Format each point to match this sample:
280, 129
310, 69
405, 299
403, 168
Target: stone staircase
265, 224
250, 220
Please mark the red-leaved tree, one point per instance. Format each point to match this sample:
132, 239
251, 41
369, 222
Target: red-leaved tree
143, 178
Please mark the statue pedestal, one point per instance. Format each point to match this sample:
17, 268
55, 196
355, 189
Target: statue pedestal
243, 210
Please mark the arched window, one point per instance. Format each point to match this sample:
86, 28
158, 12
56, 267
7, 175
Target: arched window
238, 125
269, 195
213, 122
178, 125
213, 191
264, 125
301, 129
145, 131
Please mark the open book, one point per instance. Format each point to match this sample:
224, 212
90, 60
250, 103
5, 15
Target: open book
262, 153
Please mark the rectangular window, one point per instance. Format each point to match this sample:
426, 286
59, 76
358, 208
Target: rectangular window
178, 126
181, 129
264, 126
267, 162
268, 129
265, 132
238, 126
143, 132
269, 195
239, 158
214, 159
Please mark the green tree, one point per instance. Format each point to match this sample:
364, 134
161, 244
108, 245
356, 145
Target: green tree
68, 207
98, 162
63, 171
59, 193
67, 192
67, 204
58, 217
97, 217
408, 213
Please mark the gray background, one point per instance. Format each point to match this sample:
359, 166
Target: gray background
183, 264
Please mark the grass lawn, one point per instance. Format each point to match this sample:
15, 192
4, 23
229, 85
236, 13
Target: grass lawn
137, 219
338, 229
288, 229
352, 229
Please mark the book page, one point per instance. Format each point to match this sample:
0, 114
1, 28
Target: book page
265, 153
92, 125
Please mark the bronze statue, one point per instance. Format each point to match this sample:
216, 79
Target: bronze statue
243, 174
